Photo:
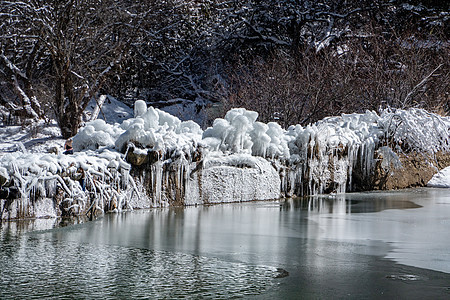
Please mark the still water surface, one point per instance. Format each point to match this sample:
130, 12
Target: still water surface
359, 246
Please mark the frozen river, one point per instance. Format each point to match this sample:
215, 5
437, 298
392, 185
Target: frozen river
359, 245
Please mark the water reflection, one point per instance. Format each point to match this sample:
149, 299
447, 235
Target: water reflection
413, 222
331, 247
82, 262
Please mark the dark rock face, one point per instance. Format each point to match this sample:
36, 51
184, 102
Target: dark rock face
135, 158
417, 169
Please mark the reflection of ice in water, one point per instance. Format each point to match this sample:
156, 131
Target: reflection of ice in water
334, 204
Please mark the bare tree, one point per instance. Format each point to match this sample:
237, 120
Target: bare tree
367, 70
326, 56
18, 57
74, 45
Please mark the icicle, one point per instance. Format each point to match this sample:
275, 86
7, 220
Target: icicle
156, 181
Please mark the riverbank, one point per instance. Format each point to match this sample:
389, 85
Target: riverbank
153, 160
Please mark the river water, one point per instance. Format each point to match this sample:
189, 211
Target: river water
358, 246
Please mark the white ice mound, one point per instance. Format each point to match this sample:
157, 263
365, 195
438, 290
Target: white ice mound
239, 132
96, 134
156, 129
351, 131
150, 128
140, 107
441, 179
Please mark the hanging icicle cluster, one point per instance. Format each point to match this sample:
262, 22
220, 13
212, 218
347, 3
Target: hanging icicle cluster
57, 184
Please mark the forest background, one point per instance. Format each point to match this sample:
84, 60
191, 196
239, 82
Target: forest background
294, 62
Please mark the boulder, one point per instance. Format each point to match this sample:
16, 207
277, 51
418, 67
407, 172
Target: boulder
416, 170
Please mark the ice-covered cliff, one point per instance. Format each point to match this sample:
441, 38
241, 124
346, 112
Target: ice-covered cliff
154, 159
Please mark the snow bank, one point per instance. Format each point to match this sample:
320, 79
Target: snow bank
314, 159
403, 130
39, 137
323, 156
309, 151
441, 179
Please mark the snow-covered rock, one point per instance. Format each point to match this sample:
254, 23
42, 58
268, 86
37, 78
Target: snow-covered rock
441, 179
236, 178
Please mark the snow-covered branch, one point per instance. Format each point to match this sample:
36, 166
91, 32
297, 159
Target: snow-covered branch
417, 86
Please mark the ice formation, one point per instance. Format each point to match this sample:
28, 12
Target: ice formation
156, 129
322, 157
43, 178
154, 159
96, 134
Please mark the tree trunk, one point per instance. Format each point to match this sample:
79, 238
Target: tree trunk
67, 108
69, 121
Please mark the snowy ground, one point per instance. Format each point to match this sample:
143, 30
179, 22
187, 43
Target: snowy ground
40, 138
43, 137
113, 111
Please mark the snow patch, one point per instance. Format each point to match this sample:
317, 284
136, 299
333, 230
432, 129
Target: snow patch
441, 179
